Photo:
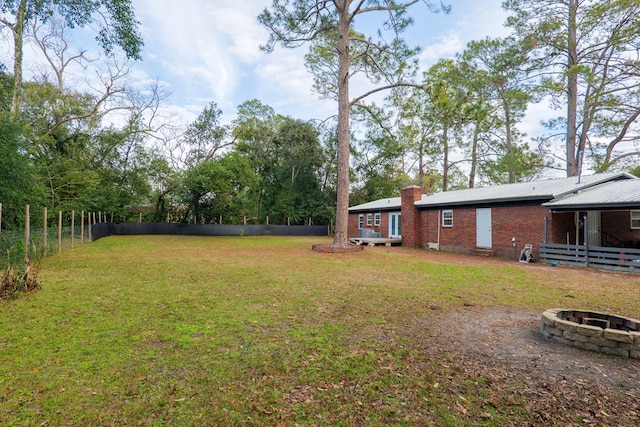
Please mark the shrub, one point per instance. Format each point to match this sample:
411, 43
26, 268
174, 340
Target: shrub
14, 281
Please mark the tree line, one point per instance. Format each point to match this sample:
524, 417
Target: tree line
454, 125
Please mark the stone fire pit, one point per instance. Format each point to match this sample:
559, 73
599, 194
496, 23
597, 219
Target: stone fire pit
594, 331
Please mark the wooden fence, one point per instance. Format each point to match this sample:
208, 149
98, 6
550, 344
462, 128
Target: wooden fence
612, 258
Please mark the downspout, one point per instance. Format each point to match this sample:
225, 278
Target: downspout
439, 216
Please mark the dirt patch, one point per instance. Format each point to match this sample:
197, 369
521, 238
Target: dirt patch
560, 385
332, 250
511, 338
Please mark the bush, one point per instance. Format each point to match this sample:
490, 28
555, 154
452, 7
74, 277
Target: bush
14, 281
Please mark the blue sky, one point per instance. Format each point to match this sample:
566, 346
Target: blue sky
203, 51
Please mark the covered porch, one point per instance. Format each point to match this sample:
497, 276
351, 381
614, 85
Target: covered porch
598, 228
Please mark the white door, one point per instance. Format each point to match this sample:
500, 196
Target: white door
395, 225
593, 228
483, 228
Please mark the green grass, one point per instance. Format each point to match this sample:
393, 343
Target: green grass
190, 331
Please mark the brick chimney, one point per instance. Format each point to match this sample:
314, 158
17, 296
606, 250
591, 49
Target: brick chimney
411, 235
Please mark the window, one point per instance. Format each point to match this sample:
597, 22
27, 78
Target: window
360, 221
376, 219
635, 219
369, 219
447, 218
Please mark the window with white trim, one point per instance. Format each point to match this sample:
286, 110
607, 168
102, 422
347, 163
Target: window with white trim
360, 221
635, 219
369, 219
376, 219
447, 218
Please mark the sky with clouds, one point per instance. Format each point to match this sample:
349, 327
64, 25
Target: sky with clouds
203, 51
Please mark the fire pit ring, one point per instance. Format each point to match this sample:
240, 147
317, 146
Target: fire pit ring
592, 330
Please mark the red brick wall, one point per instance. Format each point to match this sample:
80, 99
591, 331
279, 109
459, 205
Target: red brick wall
563, 223
383, 229
411, 230
352, 229
618, 225
525, 223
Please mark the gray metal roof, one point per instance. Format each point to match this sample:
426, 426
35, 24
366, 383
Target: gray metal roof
539, 191
528, 191
618, 194
392, 203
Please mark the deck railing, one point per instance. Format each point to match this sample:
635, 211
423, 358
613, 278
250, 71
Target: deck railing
626, 259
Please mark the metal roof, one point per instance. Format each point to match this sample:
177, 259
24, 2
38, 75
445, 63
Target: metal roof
527, 191
538, 191
392, 203
612, 195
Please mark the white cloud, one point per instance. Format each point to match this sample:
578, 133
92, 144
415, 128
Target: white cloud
447, 46
242, 30
203, 51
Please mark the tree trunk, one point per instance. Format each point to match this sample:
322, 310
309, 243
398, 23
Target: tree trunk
421, 165
18, 31
508, 133
474, 156
340, 238
445, 168
573, 155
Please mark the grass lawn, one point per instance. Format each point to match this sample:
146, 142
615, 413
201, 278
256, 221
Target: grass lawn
190, 331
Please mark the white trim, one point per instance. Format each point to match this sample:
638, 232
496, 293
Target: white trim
632, 219
447, 211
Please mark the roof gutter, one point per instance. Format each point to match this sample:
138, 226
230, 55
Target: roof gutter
593, 207
536, 199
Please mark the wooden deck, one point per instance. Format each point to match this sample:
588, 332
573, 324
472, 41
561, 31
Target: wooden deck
374, 241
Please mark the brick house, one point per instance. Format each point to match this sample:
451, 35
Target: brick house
502, 219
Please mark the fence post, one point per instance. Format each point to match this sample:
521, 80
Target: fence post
27, 233
82, 227
59, 231
73, 225
89, 222
44, 229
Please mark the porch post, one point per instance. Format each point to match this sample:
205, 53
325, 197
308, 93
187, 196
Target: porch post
585, 231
